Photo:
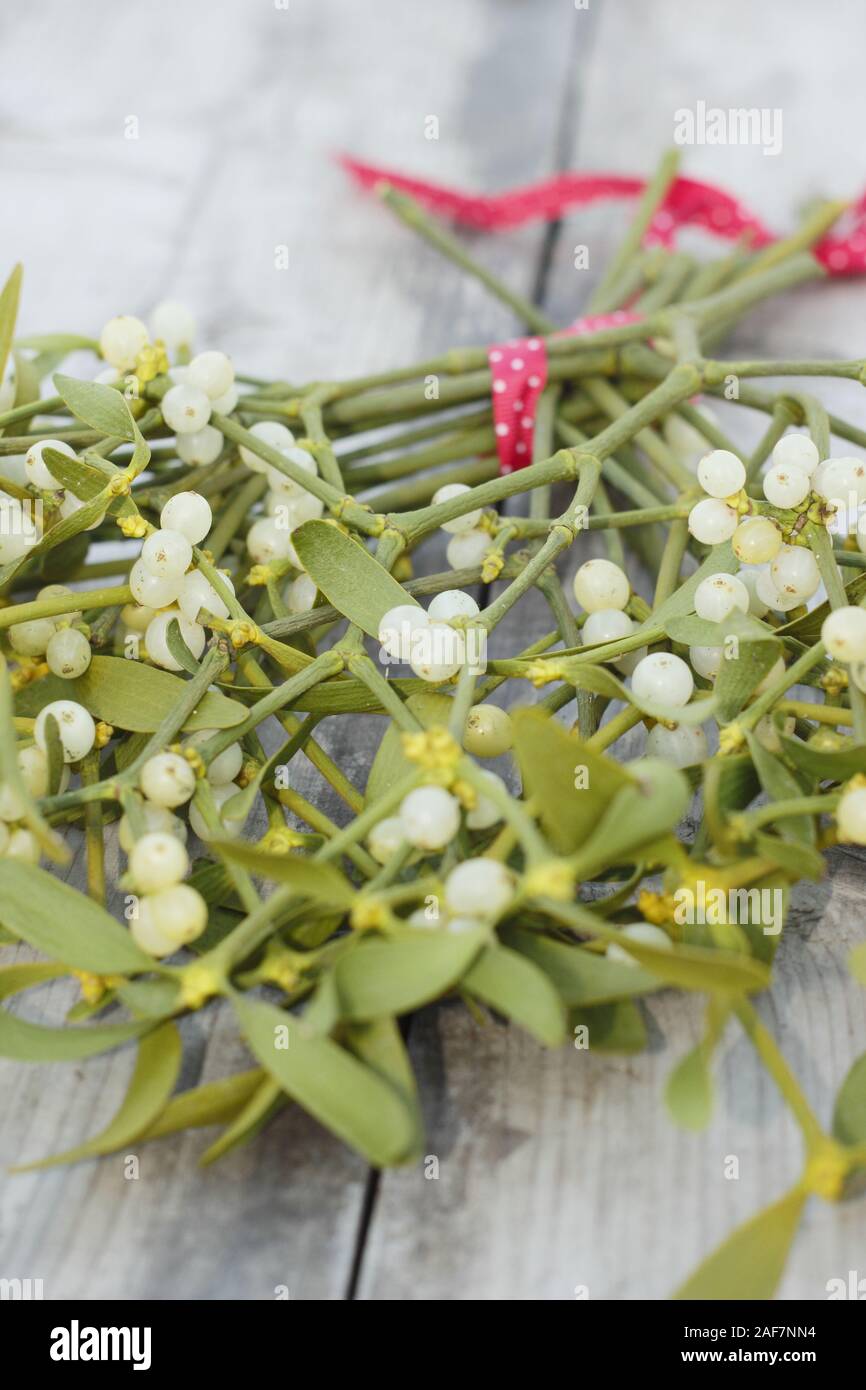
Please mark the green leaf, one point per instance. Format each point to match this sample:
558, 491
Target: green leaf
349, 1098
849, 1112
781, 785
696, 967
313, 878
76, 475
689, 1091
613, 1027
692, 631
581, 977
377, 978
740, 676
9, 297
750, 1263
29, 1042
518, 990
132, 696
729, 784
100, 407
348, 575
379, 1044
214, 1103
178, 648
640, 813
64, 924
822, 765
27, 379
551, 762
248, 1122
390, 764
153, 1080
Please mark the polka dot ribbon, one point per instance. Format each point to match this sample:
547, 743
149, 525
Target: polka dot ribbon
688, 203
518, 371
519, 366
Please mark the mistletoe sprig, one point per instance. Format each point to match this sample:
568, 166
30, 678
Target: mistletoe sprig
271, 531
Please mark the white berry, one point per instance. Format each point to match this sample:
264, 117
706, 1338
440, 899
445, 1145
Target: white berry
843, 633
749, 578
203, 447
166, 554
718, 595
438, 652
682, 746
458, 524
488, 732
795, 572
281, 482
767, 592
156, 638
452, 603
707, 661
486, 812
68, 653
430, 817
169, 919
226, 765
396, 629
479, 888
720, 473
662, 679
645, 934
300, 595
157, 860
37, 471
229, 827
468, 549
24, 846
712, 521
173, 324
121, 341
796, 451
32, 638
188, 513
185, 409
197, 593
167, 779
269, 432
151, 590
212, 372
756, 540
600, 584
786, 485
386, 838
267, 541
75, 726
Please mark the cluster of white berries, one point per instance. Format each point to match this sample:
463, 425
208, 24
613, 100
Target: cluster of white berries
16, 841
424, 638
287, 503
165, 588
64, 646
602, 590
469, 542
429, 818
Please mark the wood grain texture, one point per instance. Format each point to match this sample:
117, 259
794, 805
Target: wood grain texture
556, 1170
225, 170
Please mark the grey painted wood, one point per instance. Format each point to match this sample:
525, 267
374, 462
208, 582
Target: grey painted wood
563, 1170
239, 112
556, 1170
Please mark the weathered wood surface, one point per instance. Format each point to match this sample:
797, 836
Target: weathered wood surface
556, 1170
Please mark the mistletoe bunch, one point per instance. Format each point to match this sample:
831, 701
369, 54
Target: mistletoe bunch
265, 580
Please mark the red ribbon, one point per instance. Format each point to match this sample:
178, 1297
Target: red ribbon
516, 388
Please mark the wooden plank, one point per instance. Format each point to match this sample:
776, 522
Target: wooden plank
219, 177
562, 1171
